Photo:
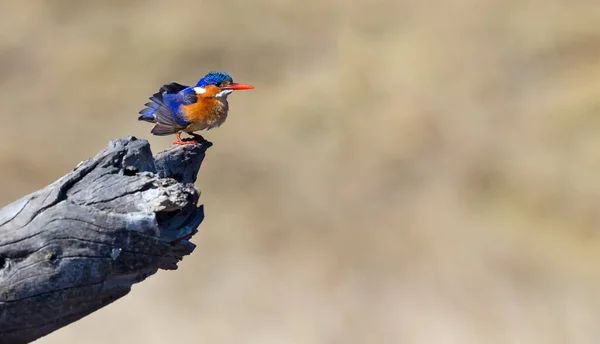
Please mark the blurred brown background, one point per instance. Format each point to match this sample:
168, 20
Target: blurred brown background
404, 172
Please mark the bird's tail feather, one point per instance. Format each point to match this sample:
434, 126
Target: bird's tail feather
148, 113
157, 111
163, 130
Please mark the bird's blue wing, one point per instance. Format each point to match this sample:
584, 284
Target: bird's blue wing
163, 108
187, 96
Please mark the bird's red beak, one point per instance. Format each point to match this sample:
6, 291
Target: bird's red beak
238, 87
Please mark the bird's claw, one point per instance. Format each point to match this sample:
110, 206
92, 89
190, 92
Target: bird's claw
185, 142
189, 141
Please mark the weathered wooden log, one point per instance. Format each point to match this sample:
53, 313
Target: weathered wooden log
80, 243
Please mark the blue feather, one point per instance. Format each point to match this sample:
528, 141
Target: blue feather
174, 102
214, 78
165, 105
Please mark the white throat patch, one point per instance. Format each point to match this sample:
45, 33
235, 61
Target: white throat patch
223, 94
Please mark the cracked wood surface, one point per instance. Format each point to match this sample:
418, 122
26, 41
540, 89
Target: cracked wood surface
81, 243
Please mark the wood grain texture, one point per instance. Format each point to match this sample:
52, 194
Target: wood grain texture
81, 243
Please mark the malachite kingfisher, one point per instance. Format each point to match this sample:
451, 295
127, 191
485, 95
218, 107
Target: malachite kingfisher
177, 108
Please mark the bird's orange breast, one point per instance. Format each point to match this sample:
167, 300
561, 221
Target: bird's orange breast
206, 113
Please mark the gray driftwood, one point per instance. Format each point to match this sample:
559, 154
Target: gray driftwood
83, 241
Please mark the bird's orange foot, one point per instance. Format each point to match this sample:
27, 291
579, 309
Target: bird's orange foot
186, 142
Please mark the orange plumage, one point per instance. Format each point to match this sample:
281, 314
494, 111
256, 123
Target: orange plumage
208, 112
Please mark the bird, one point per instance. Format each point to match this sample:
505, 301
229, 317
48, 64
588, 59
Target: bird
178, 108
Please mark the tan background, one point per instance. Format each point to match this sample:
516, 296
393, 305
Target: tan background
404, 172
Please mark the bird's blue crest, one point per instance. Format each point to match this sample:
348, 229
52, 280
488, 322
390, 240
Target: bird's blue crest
213, 78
